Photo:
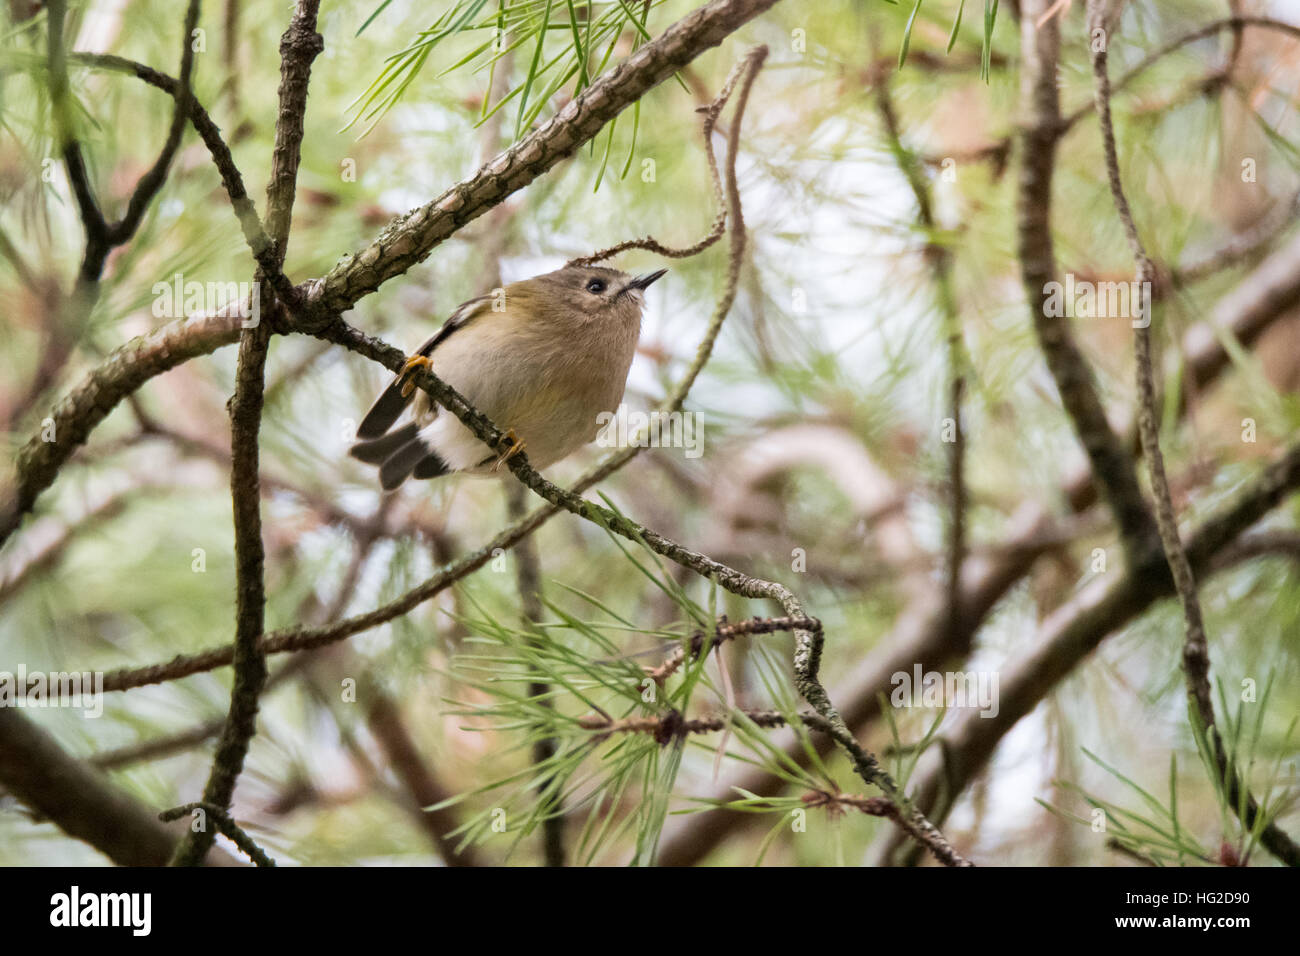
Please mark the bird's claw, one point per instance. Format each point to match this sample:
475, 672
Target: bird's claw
516, 446
414, 362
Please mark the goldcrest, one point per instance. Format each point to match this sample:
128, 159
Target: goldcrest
542, 358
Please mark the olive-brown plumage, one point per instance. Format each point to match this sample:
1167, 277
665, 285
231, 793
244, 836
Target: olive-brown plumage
542, 358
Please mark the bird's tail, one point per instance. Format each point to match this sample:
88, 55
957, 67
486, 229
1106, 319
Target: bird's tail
400, 454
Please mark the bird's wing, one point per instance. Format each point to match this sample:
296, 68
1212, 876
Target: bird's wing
390, 404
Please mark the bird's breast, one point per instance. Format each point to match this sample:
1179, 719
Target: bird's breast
549, 388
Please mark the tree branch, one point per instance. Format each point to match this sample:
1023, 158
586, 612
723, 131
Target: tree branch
76, 415
922, 635
1210, 29
80, 801
259, 243
410, 238
938, 256
1196, 660
152, 180
226, 824
298, 48
1196, 651
92, 217
1112, 467
1196, 654
101, 237
1074, 630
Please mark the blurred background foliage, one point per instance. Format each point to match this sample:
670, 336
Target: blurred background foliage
822, 410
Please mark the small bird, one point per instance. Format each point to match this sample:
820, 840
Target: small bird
542, 358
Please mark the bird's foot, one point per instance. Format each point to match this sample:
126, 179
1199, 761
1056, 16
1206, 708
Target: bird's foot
414, 362
516, 446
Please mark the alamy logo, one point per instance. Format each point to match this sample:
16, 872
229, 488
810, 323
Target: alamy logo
1082, 299
53, 689
622, 428
178, 298
949, 689
75, 908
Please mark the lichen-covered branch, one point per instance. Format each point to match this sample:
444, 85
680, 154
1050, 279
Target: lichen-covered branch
1196, 659
726, 631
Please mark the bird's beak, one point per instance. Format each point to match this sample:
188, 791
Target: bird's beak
642, 282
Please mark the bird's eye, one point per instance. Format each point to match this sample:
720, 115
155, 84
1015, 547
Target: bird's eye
596, 286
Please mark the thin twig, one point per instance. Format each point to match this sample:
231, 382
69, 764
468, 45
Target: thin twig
1196, 653
1239, 247
225, 824
408, 239
18, 573
709, 114
92, 217
101, 236
672, 725
152, 181
528, 580
1200, 33
938, 256
725, 631
1113, 468
298, 48
259, 243
1075, 630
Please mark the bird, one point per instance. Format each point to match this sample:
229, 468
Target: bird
542, 358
